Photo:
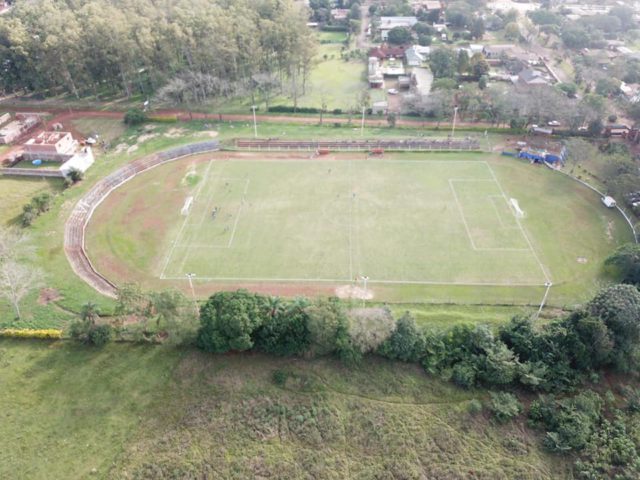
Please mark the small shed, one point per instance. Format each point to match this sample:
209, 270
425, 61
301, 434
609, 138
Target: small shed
608, 201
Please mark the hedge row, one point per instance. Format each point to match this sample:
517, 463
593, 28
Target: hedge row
291, 109
49, 334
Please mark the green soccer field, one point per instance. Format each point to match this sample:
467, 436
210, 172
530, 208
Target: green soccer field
449, 225
394, 221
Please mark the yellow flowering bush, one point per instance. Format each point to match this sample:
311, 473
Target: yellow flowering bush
49, 334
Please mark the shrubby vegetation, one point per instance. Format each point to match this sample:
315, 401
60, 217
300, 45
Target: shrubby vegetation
624, 263
38, 205
552, 359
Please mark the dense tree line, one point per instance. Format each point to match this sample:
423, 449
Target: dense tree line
556, 360
209, 47
553, 358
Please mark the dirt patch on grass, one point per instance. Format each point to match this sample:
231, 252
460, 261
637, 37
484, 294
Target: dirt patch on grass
146, 136
210, 133
48, 295
355, 292
610, 227
175, 132
120, 148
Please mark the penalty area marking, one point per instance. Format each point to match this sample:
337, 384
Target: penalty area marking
174, 243
466, 225
524, 233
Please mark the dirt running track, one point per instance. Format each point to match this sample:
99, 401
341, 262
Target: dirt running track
74, 229
65, 116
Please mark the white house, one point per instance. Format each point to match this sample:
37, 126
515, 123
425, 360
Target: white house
416, 55
389, 23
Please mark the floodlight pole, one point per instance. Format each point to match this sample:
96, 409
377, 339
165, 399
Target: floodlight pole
455, 117
362, 123
255, 122
190, 277
193, 292
544, 299
365, 279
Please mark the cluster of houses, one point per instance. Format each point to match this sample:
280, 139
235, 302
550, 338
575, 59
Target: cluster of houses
45, 148
12, 128
398, 62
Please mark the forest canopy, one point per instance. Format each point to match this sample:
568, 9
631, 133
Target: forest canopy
207, 47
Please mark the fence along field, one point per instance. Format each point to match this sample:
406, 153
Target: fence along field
395, 221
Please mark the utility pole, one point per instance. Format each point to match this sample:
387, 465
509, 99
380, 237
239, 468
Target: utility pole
193, 292
255, 122
544, 299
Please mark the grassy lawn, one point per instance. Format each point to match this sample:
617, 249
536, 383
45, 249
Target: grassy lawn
442, 317
332, 81
107, 129
423, 227
18, 191
332, 37
153, 412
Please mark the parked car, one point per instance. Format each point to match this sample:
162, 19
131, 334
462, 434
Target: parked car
392, 91
554, 123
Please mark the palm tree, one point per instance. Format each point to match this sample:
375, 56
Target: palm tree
90, 313
274, 306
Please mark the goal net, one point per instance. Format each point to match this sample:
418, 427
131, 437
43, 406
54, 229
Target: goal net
187, 206
516, 208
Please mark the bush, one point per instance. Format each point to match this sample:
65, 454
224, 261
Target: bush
134, 116
291, 109
27, 216
504, 406
279, 377
100, 335
75, 176
464, 375
474, 407
44, 334
86, 332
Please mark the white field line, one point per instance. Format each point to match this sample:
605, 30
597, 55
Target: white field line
349, 280
473, 245
524, 233
502, 224
495, 208
235, 224
186, 219
420, 161
464, 220
352, 200
212, 195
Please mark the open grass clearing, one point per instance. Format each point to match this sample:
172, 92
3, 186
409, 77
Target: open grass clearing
103, 129
154, 412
